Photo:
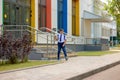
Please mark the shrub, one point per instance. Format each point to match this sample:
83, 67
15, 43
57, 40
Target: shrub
15, 50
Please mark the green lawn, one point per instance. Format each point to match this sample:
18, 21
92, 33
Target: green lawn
95, 53
24, 65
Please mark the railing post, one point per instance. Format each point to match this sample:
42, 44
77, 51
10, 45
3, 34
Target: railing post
37, 35
1, 30
47, 45
21, 31
74, 44
51, 44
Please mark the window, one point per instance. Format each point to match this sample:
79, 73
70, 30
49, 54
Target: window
73, 17
27, 16
60, 14
6, 13
42, 13
13, 14
23, 2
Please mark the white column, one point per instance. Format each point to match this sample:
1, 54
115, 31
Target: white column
92, 30
54, 13
36, 14
69, 17
80, 20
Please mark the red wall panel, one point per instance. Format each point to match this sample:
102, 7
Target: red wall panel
48, 13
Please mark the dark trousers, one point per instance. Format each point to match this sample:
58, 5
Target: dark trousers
60, 46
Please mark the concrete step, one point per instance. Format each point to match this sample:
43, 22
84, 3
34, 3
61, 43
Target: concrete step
46, 56
47, 52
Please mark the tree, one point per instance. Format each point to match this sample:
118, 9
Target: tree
113, 8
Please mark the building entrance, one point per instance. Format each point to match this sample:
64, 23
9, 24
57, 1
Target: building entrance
16, 12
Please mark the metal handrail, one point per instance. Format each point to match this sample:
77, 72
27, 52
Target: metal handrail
55, 32
49, 37
36, 29
39, 35
69, 36
48, 34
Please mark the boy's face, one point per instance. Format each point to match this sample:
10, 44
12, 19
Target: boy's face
61, 32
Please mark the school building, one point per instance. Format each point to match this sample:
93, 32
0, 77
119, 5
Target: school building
82, 19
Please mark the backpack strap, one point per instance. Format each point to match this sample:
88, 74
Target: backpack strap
58, 36
64, 37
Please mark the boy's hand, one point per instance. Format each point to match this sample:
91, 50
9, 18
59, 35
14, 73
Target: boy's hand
63, 45
55, 38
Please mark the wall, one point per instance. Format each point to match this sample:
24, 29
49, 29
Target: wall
87, 28
85, 5
48, 16
1, 12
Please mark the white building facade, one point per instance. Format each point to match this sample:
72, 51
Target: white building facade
82, 19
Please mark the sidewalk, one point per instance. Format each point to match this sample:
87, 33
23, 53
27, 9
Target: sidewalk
74, 69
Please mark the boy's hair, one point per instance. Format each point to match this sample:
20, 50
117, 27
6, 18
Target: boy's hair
61, 30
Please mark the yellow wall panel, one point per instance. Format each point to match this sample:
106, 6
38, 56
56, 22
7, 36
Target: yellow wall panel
77, 18
33, 18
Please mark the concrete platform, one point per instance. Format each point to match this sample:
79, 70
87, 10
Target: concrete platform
75, 68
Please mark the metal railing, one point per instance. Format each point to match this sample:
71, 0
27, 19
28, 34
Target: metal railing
46, 36
70, 38
16, 31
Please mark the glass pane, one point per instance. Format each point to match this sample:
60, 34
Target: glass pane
43, 2
6, 12
42, 13
60, 0
27, 16
43, 18
73, 25
73, 11
24, 2
60, 20
27, 2
13, 14
60, 6
60, 14
73, 3
74, 17
13, 0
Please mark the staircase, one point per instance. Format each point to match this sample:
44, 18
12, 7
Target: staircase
43, 52
46, 46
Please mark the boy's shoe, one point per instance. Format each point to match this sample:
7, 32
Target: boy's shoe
66, 58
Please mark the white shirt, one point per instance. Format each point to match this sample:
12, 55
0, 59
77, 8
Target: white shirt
63, 38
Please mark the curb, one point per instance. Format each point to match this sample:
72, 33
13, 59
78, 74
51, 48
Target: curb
92, 72
20, 69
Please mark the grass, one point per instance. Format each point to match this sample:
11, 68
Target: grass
6, 67
95, 53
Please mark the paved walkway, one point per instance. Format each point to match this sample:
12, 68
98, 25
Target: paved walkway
73, 67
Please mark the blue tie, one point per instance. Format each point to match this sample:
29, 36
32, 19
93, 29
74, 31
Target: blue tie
60, 37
